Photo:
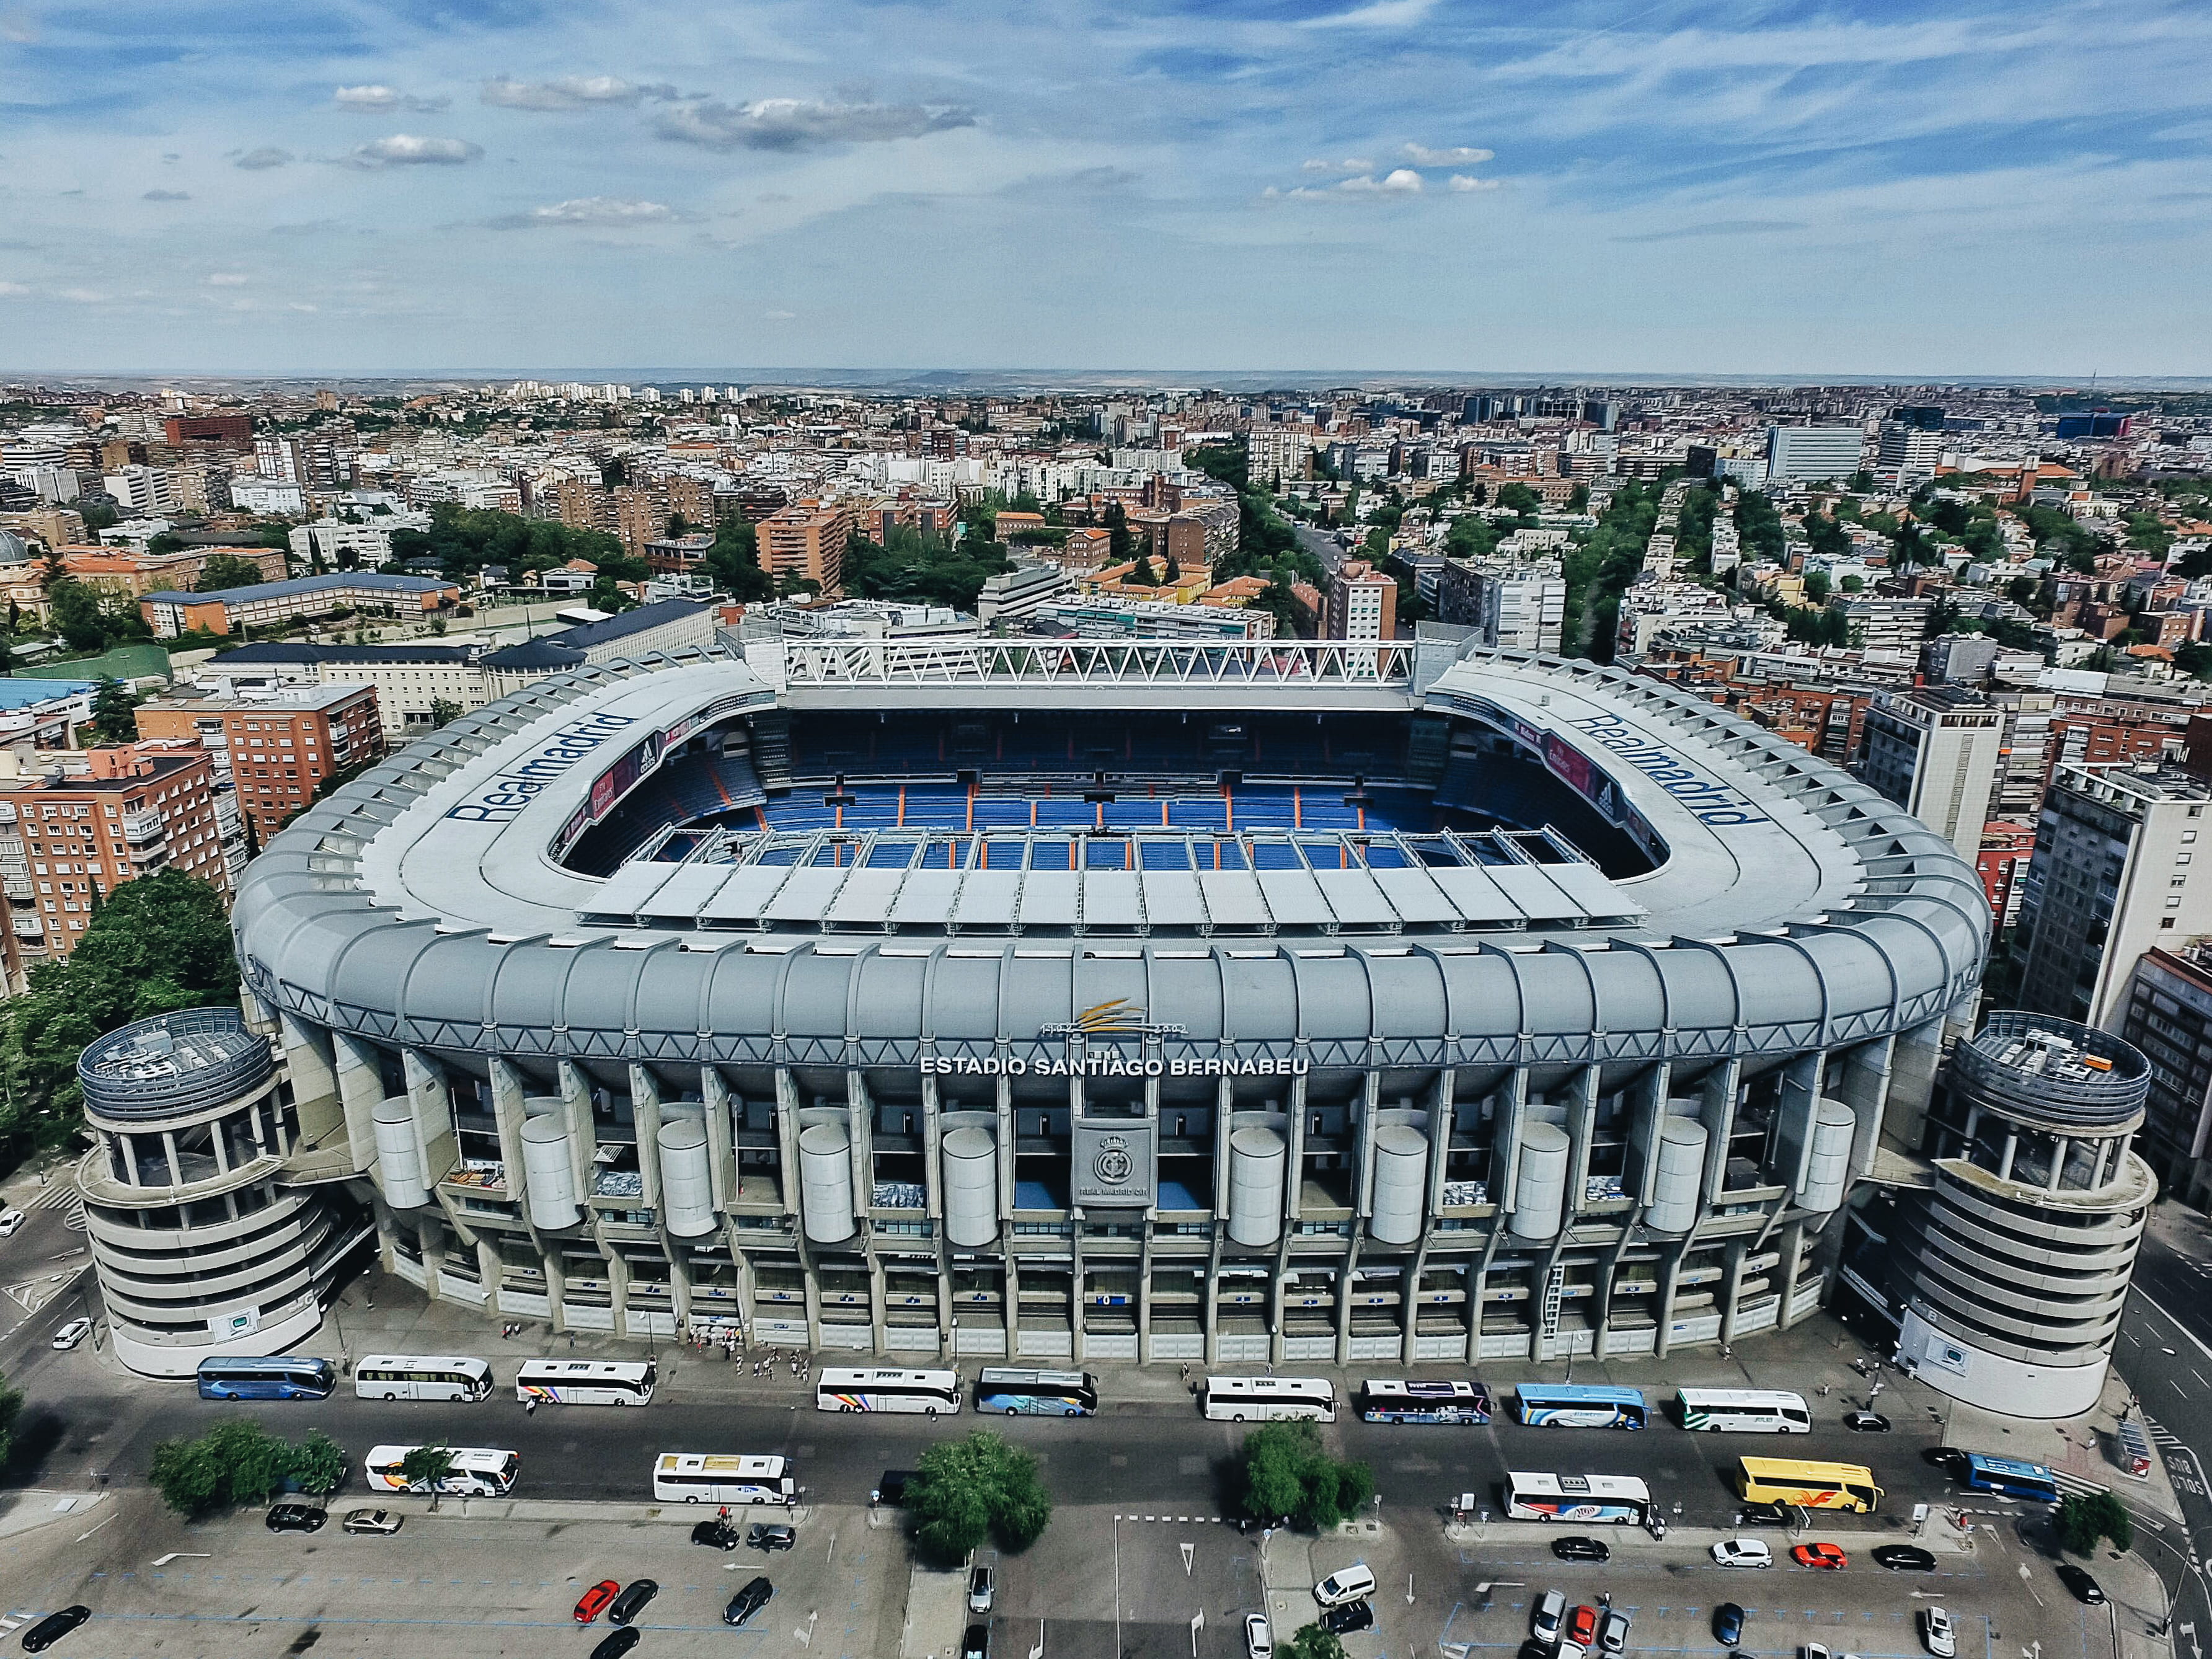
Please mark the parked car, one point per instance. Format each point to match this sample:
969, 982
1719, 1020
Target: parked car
2085, 1590
976, 1644
1346, 1617
377, 1522
631, 1602
1936, 1634
1345, 1584
1544, 1623
1575, 1547
982, 1588
1728, 1624
594, 1601
1259, 1639
52, 1628
752, 1595
716, 1535
72, 1333
9, 1220
1742, 1552
1763, 1515
1866, 1422
1829, 1557
296, 1517
771, 1536
1581, 1630
1613, 1633
1814, 1650
1949, 1459
616, 1643
1903, 1557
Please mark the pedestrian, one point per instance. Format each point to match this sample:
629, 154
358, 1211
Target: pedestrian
530, 1407
1824, 1391
726, 1512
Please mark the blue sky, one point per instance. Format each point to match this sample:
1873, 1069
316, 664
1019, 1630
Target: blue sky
502, 186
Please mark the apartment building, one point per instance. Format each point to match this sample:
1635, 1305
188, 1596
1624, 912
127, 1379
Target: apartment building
276, 752
169, 614
1813, 454
1934, 750
2168, 1015
75, 825
1518, 607
142, 489
806, 541
1362, 604
2114, 876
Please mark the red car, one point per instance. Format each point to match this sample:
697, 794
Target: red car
595, 1600
1582, 1629
1820, 1555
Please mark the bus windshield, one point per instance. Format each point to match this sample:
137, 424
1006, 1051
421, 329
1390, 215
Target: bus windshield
1575, 1406
1035, 1394
279, 1376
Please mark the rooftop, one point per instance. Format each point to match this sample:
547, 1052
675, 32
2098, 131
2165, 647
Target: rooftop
374, 581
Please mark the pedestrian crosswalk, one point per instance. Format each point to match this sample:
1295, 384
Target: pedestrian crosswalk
2080, 1485
55, 1195
15, 1620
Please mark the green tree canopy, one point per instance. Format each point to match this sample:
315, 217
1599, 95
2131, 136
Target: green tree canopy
114, 717
237, 1462
733, 562
423, 1466
220, 571
1287, 1472
1311, 1642
913, 567
965, 1491
2084, 1518
464, 539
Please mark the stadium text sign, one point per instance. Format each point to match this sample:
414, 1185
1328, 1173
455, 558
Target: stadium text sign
1713, 803
1112, 1065
504, 796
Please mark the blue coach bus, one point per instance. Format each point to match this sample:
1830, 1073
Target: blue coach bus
2011, 1478
1577, 1407
280, 1377
1035, 1394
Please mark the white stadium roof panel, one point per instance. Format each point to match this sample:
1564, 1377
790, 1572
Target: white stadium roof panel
1112, 898
1540, 897
865, 900
1414, 895
927, 898
1294, 899
1171, 899
1355, 899
745, 895
805, 895
1233, 898
1477, 897
987, 898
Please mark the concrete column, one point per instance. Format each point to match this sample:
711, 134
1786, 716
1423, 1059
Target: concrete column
1509, 1112
932, 1135
1078, 1308
1276, 1301
1582, 1129
787, 1138
1345, 1270
360, 1081
1860, 1081
679, 1287
878, 1314
432, 1105
2061, 1146
1011, 1290
1793, 1254
1225, 1104
1004, 1104
1670, 1278
1294, 1178
219, 1144
722, 1136
555, 1269
645, 1123
1718, 1112
508, 1091
1915, 1059
1441, 1102
1363, 1153
583, 1131
2011, 1151
169, 1151
1794, 1112
618, 1289
313, 1073
861, 1109
1732, 1290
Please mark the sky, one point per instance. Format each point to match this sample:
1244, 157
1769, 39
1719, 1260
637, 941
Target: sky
1901, 188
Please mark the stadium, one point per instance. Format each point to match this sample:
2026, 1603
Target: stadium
1146, 1000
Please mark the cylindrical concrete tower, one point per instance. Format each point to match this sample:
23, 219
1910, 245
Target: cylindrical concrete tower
2019, 1258
204, 1233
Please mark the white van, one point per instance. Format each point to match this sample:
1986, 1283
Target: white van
1350, 1584
1545, 1625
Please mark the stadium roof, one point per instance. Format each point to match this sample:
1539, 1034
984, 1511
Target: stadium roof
1791, 907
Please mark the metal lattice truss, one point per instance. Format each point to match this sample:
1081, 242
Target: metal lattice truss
1136, 662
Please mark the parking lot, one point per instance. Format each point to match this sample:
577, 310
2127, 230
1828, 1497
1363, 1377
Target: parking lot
470, 1589
1103, 1586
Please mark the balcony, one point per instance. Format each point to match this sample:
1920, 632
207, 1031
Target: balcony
141, 827
29, 926
18, 889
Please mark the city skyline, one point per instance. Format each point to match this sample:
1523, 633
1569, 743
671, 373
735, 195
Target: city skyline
489, 188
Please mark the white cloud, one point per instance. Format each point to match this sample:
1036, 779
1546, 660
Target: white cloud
1461, 182
1460, 156
787, 123
82, 296
226, 279
1381, 15
1401, 181
406, 149
1349, 164
255, 161
598, 212
379, 99
570, 92
778, 316
13, 290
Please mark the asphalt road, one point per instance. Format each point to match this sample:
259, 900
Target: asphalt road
2166, 1354
1149, 1453
1321, 545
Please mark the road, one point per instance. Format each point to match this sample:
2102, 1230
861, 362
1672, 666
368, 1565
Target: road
2166, 1354
1321, 546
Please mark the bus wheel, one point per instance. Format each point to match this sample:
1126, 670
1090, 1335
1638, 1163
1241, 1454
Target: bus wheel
693, 1498
1071, 1411
1236, 1417
932, 1413
1011, 1411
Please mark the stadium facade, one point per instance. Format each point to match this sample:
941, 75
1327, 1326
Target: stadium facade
1221, 1002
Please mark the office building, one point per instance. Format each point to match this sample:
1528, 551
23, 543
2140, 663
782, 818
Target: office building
2114, 876
1813, 454
1905, 455
1935, 751
1884, 624
139, 491
234, 430
1517, 607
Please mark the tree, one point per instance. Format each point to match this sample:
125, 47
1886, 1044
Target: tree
443, 711
238, 1461
966, 1489
733, 562
226, 570
1173, 571
1119, 541
11, 1408
1141, 574
319, 1465
424, 1466
1816, 586
114, 719
76, 615
1311, 1642
1519, 498
1287, 1473
98, 515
